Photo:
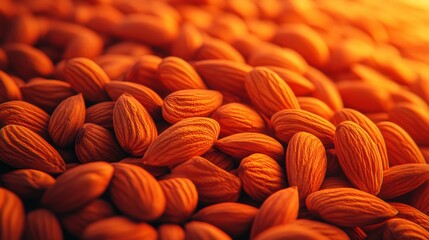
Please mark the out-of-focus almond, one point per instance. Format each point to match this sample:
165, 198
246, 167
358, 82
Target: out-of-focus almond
171, 232
145, 72
155, 171
128, 48
187, 42
414, 120
325, 89
202, 230
278, 57
42, 225
217, 49
27, 183
115, 65
9, 90
12, 215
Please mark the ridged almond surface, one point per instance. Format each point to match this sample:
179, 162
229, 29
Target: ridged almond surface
86, 77
269, 92
176, 74
398, 228
66, 120
187, 42
261, 176
202, 230
409, 213
145, 72
414, 120
134, 128
190, 103
235, 219
298, 83
402, 179
136, 193
241, 145
217, 49
101, 114
219, 159
67, 194
22, 148
197, 135
348, 207
41, 224
278, 57
155, 171
330, 231
9, 90
285, 203
325, 88
95, 143
12, 216
171, 232
27, 183
288, 122
316, 106
420, 198
335, 182
181, 198
213, 184
290, 231
359, 157
305, 163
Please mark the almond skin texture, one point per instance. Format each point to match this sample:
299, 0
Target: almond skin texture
420, 197
22, 148
261, 176
145, 72
316, 106
197, 135
305, 163
95, 143
27, 183
325, 89
288, 122
219, 159
348, 207
181, 199
171, 232
411, 214
119, 228
359, 157
213, 184
278, 57
402, 179
398, 228
330, 231
66, 120
12, 215
86, 77
290, 231
101, 114
235, 219
414, 120
285, 203
136, 193
134, 127
241, 145
202, 230
67, 194
217, 49
9, 90
299, 84
269, 92
42, 225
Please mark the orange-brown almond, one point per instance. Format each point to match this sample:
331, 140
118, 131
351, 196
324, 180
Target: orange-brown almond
299, 84
101, 114
227, 26
335, 182
188, 103
359, 157
401, 148
171, 232
145, 72
119, 228
12, 216
403, 96
217, 49
86, 77
181, 199
77, 221
290, 231
219, 159
330, 231
288, 122
414, 120
402, 179
316, 106
261, 176
197, 135
348, 207
23, 29
24, 114
9, 90
420, 197
66, 120
115, 65
269, 92
325, 89
279, 57
202, 230
398, 228
95, 143
136, 193
176, 74
187, 42
27, 183
67, 194
213, 184
235, 219
409, 213
134, 128
241, 145
129, 48
41, 224
285, 203
305, 163
22, 148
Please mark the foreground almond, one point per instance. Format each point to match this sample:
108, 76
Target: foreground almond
12, 215
42, 225
398, 228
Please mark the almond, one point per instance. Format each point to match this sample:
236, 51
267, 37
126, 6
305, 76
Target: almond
86, 77
235, 219
23, 29
420, 197
181, 199
145, 72
359, 157
411, 214
197, 135
278, 57
67, 194
348, 207
129, 48
115, 65
288, 122
414, 120
171, 232
213, 183
402, 179
335, 182
316, 106
219, 159
201, 230
325, 89
9, 90
101, 114
22, 148
187, 42
299, 84
285, 203
95, 143
290, 231
136, 193
190, 103
400, 96
330, 231
42, 225
155, 171
241, 145
66, 120
398, 228
227, 26
261, 176
27, 183
305, 163
217, 49
12, 215
345, 53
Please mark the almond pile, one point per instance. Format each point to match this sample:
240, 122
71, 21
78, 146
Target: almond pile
214, 120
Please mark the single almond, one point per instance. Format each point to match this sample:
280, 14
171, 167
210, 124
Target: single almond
345, 53
290, 231
12, 215
409, 213
187, 42
171, 232
398, 228
129, 48
330, 231
101, 114
414, 120
9, 90
335, 182
27, 183
316, 106
202, 230
41, 224
278, 57
115, 65
298, 83
217, 49
325, 89
145, 72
